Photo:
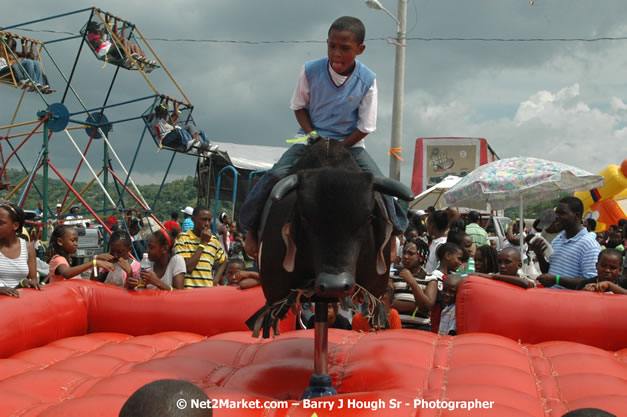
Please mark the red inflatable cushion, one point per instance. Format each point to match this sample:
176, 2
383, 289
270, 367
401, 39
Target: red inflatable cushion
93, 375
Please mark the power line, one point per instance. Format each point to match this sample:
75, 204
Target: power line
415, 38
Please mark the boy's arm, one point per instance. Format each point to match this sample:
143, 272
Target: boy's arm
303, 119
355, 136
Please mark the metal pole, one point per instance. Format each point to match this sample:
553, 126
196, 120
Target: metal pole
45, 217
399, 86
321, 338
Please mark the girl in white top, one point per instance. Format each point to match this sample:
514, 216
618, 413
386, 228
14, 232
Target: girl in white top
18, 267
168, 270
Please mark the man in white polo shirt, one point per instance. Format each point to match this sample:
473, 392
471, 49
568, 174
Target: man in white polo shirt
575, 251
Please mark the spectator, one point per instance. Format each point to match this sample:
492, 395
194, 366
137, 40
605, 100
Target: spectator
591, 226
410, 285
608, 270
510, 271
63, 243
167, 270
575, 251
188, 223
362, 324
437, 227
588, 412
336, 321
173, 225
39, 211
236, 275
120, 246
477, 233
449, 293
486, 260
201, 250
223, 231
464, 241
74, 219
163, 398
18, 265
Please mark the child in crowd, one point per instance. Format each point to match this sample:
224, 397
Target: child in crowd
18, 267
449, 293
336, 320
414, 294
63, 244
167, 270
335, 97
464, 241
450, 256
485, 260
120, 246
608, 270
510, 265
361, 324
237, 276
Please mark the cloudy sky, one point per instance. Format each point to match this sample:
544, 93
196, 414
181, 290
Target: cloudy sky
559, 100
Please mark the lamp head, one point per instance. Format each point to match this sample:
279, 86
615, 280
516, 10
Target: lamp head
374, 4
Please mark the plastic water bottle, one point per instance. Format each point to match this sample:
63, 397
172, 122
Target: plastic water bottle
144, 265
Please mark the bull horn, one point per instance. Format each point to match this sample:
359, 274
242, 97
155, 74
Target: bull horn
392, 187
283, 187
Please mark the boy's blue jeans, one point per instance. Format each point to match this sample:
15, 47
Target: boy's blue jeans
256, 198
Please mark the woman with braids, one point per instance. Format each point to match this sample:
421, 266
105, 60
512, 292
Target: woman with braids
412, 286
18, 267
167, 269
120, 246
486, 260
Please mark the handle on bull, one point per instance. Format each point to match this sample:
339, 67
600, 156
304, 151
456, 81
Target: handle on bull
234, 195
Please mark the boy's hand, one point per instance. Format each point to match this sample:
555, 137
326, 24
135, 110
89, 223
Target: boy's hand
104, 264
131, 282
125, 265
591, 287
407, 276
11, 292
105, 257
30, 283
205, 236
547, 280
149, 277
604, 286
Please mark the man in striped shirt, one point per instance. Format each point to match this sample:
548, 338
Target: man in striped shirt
201, 250
575, 251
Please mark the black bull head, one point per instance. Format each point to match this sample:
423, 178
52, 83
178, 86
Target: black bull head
327, 227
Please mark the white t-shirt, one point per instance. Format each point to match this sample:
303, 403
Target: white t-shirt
367, 122
175, 267
432, 262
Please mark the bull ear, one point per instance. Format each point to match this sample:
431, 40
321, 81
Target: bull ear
283, 187
290, 251
392, 187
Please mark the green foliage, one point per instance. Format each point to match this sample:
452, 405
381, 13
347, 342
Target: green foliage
174, 196
533, 211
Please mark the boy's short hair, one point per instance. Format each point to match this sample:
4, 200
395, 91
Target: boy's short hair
588, 412
350, 24
160, 398
610, 252
574, 204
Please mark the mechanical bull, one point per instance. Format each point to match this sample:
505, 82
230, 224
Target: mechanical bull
324, 230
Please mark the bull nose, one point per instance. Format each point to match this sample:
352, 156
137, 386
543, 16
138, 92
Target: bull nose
334, 285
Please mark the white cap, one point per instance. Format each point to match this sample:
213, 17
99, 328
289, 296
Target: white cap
188, 210
58, 205
421, 212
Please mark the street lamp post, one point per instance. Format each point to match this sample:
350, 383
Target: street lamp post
399, 82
